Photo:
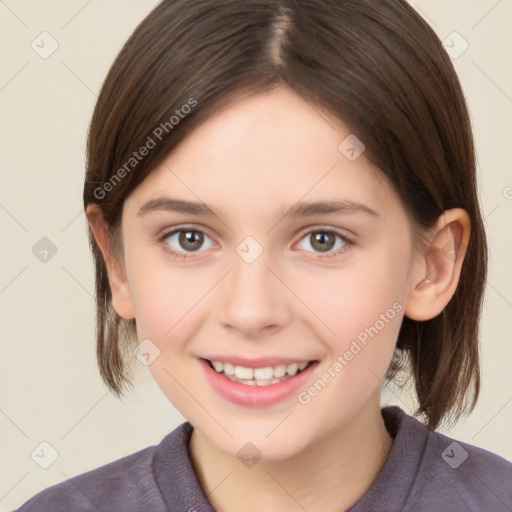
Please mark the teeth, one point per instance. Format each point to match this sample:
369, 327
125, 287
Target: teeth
243, 373
218, 366
229, 369
279, 370
259, 376
263, 373
291, 369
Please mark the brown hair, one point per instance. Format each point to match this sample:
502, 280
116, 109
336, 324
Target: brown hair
377, 66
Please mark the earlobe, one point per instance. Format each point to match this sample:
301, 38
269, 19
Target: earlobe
437, 272
119, 286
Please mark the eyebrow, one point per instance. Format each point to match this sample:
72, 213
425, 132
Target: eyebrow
302, 209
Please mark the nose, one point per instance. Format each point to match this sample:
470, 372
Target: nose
254, 301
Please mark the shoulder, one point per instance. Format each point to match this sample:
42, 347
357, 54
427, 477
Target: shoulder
478, 477
455, 475
124, 484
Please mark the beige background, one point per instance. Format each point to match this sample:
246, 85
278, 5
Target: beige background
50, 388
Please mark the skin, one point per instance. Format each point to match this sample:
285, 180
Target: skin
259, 155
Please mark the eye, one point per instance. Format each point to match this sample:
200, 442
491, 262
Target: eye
178, 242
325, 241
183, 242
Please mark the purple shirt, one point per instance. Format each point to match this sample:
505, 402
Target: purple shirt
425, 472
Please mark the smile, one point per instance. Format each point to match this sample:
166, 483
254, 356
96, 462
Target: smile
257, 387
258, 376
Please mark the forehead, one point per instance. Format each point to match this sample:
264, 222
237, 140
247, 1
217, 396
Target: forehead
269, 149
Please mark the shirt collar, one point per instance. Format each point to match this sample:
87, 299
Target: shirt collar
175, 475
393, 485
180, 488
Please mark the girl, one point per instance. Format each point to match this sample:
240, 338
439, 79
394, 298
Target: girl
283, 214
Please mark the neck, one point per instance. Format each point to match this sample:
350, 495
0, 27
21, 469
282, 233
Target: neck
330, 475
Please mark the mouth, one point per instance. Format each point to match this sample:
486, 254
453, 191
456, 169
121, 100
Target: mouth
257, 387
265, 376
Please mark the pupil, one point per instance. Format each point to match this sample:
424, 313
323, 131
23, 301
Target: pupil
191, 240
324, 240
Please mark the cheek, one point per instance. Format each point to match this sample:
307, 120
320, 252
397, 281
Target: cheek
167, 298
361, 309
170, 309
350, 300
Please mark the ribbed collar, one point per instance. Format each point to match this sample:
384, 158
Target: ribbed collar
180, 488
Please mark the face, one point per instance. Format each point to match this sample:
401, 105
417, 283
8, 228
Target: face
256, 279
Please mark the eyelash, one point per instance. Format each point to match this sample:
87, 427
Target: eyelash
180, 255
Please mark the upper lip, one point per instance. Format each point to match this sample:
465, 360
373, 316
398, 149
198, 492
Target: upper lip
260, 362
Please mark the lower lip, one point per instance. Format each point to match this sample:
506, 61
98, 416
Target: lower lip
255, 396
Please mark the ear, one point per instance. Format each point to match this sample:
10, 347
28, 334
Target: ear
119, 286
437, 271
